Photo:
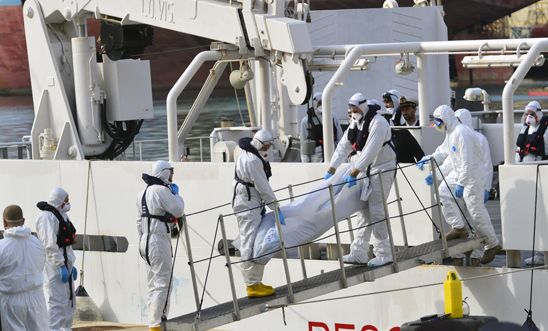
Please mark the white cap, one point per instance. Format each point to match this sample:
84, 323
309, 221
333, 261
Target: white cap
162, 169
533, 105
57, 196
358, 100
263, 136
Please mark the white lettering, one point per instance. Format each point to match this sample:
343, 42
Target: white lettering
161, 10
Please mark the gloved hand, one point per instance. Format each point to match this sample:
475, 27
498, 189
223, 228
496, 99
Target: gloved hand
422, 163
74, 273
63, 272
281, 217
459, 191
330, 172
263, 211
429, 180
351, 181
486, 196
174, 188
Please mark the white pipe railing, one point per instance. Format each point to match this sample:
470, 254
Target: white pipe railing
176, 90
355, 51
508, 98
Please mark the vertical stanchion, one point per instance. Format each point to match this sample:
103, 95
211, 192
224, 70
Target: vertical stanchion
191, 263
438, 207
301, 248
350, 230
338, 237
290, 296
388, 225
236, 312
400, 210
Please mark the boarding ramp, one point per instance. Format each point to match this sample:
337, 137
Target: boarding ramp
431, 252
407, 257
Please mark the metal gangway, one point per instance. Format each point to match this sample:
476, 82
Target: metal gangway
314, 286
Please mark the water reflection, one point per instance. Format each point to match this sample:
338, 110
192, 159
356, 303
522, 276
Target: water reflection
16, 117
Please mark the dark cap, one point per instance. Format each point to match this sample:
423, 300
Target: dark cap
13, 213
404, 102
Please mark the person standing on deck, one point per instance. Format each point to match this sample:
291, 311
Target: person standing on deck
57, 234
159, 207
22, 259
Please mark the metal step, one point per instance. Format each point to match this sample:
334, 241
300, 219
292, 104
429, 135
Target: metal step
319, 285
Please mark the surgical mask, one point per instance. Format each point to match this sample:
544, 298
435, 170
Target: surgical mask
531, 120
357, 116
390, 111
66, 207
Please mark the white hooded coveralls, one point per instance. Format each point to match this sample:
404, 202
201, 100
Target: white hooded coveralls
159, 200
381, 157
22, 303
305, 127
249, 168
58, 294
453, 215
467, 165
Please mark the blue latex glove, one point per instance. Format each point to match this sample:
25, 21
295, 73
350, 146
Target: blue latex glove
174, 188
327, 176
263, 211
486, 195
281, 217
351, 181
459, 191
63, 272
429, 180
422, 163
74, 273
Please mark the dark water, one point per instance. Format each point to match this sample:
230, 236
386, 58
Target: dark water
17, 115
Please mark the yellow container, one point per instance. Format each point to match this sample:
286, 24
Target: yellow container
452, 288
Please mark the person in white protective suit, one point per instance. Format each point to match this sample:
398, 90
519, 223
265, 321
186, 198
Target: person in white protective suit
531, 146
452, 213
22, 259
251, 192
369, 136
391, 100
311, 131
159, 207
462, 148
57, 234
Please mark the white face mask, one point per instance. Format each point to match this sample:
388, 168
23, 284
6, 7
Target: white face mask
390, 111
531, 120
66, 207
357, 116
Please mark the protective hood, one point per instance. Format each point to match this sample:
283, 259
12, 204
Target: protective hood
359, 100
447, 115
162, 169
317, 101
465, 117
261, 138
534, 106
57, 196
18, 232
395, 96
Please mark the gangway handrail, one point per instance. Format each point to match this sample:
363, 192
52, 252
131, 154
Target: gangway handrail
290, 296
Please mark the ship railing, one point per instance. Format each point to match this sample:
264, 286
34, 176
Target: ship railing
282, 250
138, 152
21, 149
